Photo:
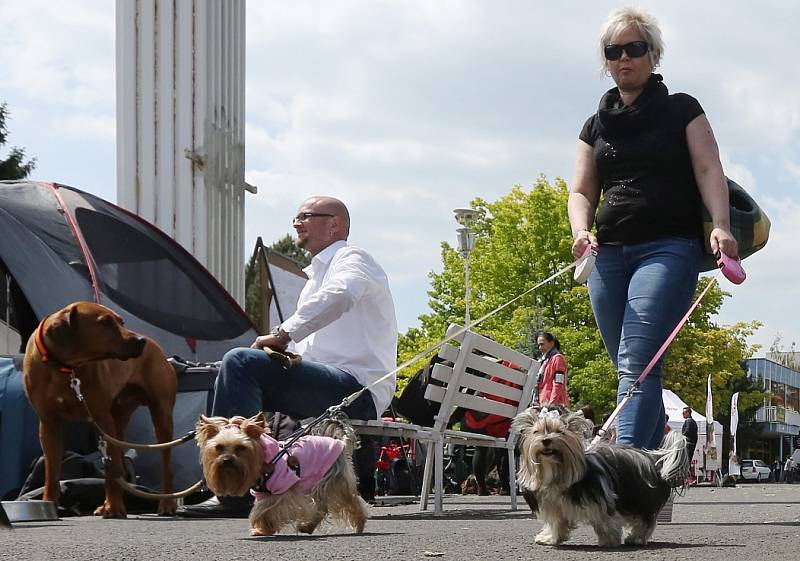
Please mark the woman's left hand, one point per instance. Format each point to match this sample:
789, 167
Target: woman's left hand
722, 240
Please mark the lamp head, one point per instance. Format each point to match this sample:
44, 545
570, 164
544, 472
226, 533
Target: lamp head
466, 216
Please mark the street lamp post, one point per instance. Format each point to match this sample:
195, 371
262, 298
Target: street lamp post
466, 243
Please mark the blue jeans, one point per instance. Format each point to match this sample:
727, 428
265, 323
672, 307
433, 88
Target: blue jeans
639, 293
249, 382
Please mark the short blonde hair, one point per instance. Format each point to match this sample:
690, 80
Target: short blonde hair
621, 19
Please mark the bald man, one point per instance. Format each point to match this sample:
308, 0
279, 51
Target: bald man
344, 327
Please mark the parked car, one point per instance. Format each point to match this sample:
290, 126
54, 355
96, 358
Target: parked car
756, 470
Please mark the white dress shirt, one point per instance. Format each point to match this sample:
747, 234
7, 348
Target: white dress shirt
345, 318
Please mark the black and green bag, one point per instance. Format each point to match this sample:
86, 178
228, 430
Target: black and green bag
749, 225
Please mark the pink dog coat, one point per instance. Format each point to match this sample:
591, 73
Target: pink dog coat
316, 455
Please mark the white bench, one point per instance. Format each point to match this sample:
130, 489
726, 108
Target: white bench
484, 358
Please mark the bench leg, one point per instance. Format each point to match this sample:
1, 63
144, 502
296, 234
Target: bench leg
426, 476
512, 479
439, 490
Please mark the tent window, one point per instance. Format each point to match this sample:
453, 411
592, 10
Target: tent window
150, 276
17, 320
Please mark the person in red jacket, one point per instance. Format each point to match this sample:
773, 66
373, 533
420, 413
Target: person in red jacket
552, 386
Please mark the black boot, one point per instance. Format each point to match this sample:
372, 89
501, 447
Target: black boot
219, 507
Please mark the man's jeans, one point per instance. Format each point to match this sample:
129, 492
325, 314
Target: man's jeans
249, 382
639, 293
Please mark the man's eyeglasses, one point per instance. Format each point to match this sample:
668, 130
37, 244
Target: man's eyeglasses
303, 216
634, 49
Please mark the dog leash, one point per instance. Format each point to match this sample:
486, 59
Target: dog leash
75, 384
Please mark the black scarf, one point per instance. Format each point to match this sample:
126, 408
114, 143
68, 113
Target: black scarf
646, 110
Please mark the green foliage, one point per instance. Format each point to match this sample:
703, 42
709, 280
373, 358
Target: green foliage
252, 290
523, 238
14, 166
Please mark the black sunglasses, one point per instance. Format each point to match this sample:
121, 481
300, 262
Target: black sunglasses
634, 49
303, 216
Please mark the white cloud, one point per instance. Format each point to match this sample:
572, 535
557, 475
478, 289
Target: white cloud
86, 127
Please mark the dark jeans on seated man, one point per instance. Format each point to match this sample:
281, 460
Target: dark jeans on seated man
249, 382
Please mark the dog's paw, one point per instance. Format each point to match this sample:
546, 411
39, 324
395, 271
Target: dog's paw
167, 507
546, 538
306, 527
636, 540
256, 532
107, 510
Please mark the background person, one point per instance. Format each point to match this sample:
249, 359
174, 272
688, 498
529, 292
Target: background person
689, 430
552, 377
653, 158
345, 329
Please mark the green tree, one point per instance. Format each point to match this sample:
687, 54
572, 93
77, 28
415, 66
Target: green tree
523, 238
287, 247
14, 166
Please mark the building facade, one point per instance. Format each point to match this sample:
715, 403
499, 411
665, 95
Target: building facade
779, 418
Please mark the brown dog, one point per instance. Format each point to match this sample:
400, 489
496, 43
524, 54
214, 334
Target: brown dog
118, 370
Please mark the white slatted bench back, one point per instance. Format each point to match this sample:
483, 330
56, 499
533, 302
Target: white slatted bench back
458, 379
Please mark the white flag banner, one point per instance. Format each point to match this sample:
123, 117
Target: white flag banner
733, 460
711, 438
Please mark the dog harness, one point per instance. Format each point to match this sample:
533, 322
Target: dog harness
316, 455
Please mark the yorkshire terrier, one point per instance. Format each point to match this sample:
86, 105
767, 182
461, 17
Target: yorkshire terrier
313, 479
607, 486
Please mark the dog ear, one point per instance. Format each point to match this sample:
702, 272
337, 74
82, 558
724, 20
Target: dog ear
72, 318
255, 426
206, 428
61, 329
579, 424
525, 420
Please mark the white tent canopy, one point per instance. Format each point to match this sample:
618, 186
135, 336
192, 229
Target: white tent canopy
674, 405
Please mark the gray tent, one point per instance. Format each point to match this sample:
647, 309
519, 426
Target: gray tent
59, 245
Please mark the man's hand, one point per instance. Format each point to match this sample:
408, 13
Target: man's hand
278, 340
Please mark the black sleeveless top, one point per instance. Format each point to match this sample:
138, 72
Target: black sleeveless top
643, 166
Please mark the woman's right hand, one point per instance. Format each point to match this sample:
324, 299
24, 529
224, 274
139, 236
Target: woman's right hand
582, 240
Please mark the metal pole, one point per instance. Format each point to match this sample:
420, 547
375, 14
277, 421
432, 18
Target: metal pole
466, 290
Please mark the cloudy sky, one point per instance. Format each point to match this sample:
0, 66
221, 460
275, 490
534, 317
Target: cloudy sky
406, 110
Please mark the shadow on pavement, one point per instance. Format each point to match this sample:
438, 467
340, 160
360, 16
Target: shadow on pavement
652, 546
305, 537
457, 515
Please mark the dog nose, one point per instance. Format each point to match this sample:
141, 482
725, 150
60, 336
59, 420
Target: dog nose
546, 441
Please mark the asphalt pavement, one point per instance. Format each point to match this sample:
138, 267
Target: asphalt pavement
752, 521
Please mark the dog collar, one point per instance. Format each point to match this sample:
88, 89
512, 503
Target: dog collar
48, 358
